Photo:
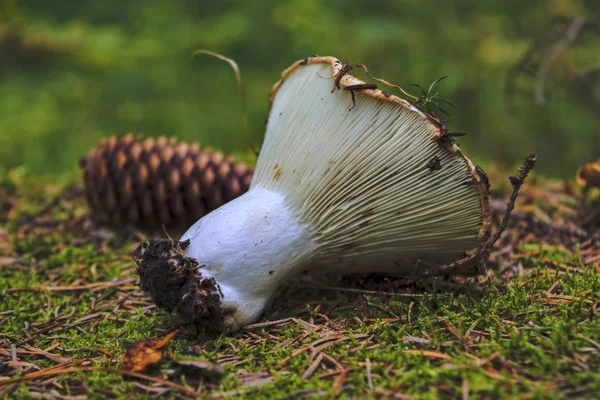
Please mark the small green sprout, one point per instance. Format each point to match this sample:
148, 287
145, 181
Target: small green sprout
430, 100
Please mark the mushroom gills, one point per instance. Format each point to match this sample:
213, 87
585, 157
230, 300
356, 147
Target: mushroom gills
358, 176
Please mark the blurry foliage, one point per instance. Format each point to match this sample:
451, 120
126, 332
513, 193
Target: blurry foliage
77, 71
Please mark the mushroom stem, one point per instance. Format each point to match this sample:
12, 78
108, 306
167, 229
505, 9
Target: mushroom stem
251, 246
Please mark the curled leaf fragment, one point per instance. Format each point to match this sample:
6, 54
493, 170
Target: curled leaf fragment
144, 353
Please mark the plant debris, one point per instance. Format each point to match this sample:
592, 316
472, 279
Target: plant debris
202, 366
338, 77
69, 307
140, 355
446, 138
482, 254
174, 282
353, 88
430, 101
434, 164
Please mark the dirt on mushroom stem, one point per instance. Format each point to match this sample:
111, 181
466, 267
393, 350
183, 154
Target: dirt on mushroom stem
175, 283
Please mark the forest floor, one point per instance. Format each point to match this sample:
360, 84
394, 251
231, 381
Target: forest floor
70, 307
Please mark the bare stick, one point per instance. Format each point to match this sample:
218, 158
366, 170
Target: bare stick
516, 183
360, 291
555, 52
484, 251
510, 88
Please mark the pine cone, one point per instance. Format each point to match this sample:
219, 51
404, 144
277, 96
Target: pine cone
154, 182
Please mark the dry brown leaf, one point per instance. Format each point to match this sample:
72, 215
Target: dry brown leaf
143, 353
589, 175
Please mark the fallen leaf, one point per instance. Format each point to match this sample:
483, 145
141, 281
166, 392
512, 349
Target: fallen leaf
143, 353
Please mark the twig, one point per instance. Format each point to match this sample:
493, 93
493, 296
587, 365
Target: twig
465, 389
386, 82
46, 372
516, 183
339, 381
555, 52
484, 251
102, 285
361, 291
364, 86
267, 324
312, 367
513, 73
369, 374
540, 69
181, 388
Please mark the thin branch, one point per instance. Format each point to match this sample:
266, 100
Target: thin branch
484, 251
555, 52
161, 382
537, 61
360, 291
510, 87
97, 285
414, 98
46, 372
516, 183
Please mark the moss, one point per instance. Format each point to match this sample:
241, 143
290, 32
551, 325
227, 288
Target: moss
504, 338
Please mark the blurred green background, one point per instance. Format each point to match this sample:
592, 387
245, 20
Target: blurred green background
72, 72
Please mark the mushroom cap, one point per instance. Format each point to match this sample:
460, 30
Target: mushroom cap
376, 178
589, 175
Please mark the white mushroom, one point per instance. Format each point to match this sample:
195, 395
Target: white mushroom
354, 181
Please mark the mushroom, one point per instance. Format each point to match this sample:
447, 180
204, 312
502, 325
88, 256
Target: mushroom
588, 176
350, 179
